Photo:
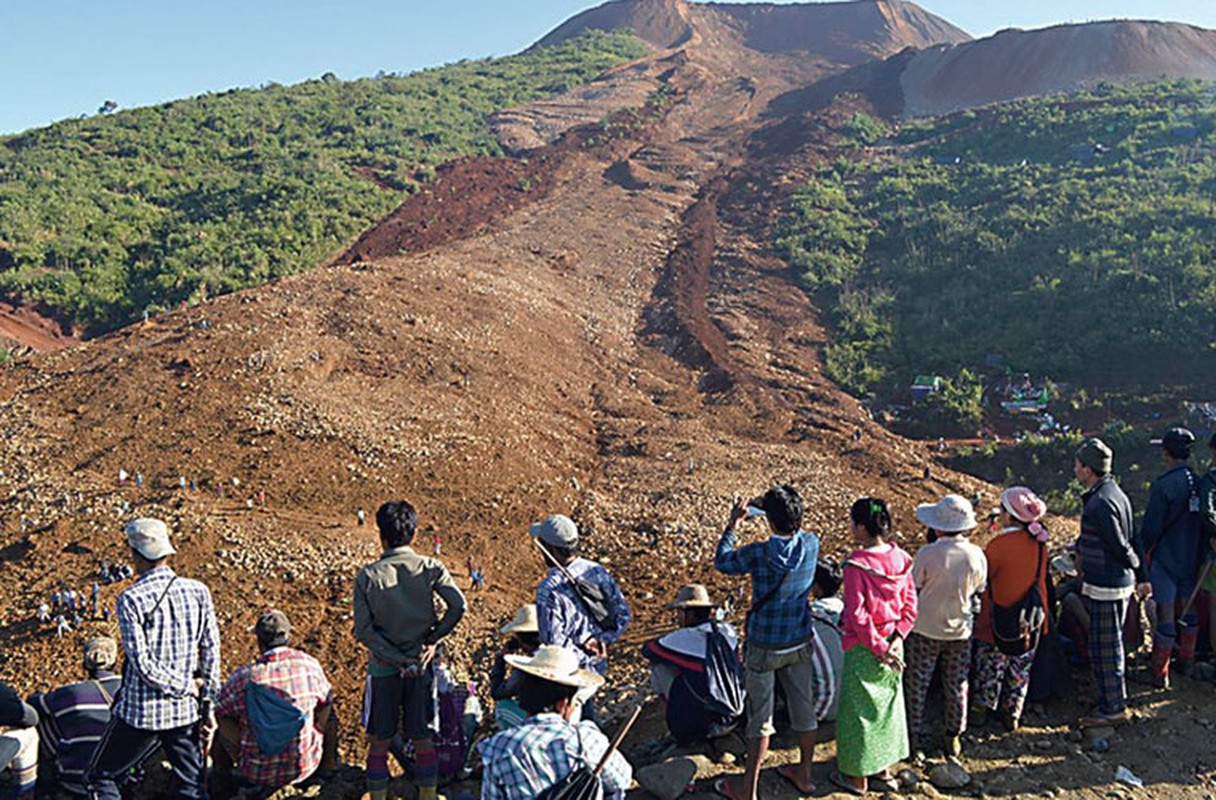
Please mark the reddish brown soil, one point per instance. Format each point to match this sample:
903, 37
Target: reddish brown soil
624, 350
24, 327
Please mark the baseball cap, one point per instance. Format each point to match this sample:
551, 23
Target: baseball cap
272, 627
1175, 440
556, 530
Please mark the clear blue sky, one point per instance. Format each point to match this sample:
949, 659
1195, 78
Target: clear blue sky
63, 58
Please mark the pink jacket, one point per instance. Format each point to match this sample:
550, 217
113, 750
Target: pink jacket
879, 598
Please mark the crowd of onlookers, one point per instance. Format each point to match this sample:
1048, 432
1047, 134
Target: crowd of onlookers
859, 642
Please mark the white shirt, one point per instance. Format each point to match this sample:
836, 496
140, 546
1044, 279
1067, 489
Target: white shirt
948, 573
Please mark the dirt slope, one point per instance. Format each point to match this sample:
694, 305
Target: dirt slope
612, 341
1017, 63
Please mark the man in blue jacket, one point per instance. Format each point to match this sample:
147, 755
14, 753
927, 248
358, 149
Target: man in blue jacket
1110, 568
1172, 541
780, 632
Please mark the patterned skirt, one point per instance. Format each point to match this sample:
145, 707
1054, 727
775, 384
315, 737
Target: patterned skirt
871, 727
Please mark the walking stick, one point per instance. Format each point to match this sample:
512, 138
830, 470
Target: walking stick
620, 737
1203, 576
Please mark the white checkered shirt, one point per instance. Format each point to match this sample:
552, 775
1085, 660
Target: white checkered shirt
522, 762
165, 649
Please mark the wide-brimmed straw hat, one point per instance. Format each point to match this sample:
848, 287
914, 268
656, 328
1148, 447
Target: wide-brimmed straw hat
557, 665
525, 621
951, 514
692, 595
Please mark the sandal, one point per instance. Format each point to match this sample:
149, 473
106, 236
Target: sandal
720, 786
843, 785
787, 772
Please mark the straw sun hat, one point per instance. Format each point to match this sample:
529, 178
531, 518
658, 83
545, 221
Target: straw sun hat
558, 665
692, 595
951, 514
525, 621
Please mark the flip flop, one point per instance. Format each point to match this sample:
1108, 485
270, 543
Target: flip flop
786, 772
720, 787
840, 783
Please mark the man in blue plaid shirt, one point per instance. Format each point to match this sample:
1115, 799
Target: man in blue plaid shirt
524, 761
780, 632
172, 672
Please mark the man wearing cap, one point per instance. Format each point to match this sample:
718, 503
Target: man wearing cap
276, 714
72, 718
172, 672
522, 762
780, 632
523, 634
949, 572
1171, 539
564, 616
1109, 567
395, 617
18, 744
677, 666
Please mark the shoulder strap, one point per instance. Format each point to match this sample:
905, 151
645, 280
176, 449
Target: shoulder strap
768, 596
159, 600
104, 693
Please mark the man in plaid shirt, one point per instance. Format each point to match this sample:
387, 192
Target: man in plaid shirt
780, 631
278, 748
171, 676
526, 760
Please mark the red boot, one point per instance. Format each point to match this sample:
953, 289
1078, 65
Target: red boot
1159, 670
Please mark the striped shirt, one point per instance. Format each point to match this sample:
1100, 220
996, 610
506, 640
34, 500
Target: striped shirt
522, 762
166, 646
564, 619
71, 720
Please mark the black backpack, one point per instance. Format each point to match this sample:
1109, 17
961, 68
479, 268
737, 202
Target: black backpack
581, 784
1016, 629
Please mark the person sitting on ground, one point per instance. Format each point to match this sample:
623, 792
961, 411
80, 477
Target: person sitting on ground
828, 656
677, 667
522, 762
523, 638
275, 715
1017, 564
949, 572
72, 718
780, 633
396, 619
879, 612
564, 618
18, 745
1171, 540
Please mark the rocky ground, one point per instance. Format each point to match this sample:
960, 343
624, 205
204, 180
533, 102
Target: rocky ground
619, 345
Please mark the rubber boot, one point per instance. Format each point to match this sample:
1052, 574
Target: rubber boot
1188, 641
1159, 669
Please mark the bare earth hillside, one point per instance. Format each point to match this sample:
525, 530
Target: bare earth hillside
598, 329
1016, 63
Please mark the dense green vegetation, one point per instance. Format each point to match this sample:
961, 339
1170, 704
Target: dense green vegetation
104, 217
1070, 236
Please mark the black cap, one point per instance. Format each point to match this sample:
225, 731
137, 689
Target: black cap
272, 628
1176, 440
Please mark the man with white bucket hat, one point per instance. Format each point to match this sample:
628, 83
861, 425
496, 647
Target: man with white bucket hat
523, 762
171, 676
948, 572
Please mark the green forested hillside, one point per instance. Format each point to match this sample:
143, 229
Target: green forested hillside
1071, 236
104, 217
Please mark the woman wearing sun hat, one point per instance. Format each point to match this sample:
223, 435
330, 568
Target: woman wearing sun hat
948, 573
1017, 562
523, 634
522, 762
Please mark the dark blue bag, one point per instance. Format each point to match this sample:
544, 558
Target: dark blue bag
275, 719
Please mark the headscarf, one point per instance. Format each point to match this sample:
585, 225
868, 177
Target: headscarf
1026, 507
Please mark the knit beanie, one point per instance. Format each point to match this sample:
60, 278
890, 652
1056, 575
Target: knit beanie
1094, 454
